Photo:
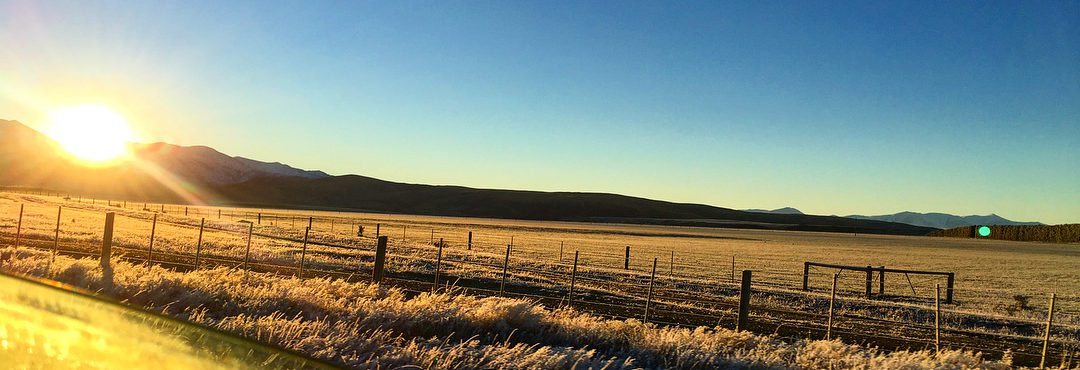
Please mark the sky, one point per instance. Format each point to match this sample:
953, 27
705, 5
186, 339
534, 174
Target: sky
830, 107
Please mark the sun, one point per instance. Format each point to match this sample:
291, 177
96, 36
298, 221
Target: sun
94, 134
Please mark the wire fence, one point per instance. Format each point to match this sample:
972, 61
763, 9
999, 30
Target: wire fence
688, 288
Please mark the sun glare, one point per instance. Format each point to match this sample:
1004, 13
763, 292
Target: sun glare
94, 134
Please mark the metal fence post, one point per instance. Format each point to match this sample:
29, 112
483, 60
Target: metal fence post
438, 267
573, 279
652, 280
937, 317
247, 254
380, 259
506, 265
744, 302
1046, 336
56, 235
198, 246
150, 248
303, 253
18, 227
832, 303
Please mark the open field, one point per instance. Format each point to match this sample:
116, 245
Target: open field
1000, 298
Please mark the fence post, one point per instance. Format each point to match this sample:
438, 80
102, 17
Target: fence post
56, 235
626, 261
106, 240
560, 251
672, 272
1046, 336
573, 279
432, 236
303, 253
380, 259
937, 317
832, 302
402, 233
733, 269
506, 265
470, 241
185, 211
378, 232
744, 302
310, 220
652, 280
438, 267
150, 249
881, 281
18, 227
949, 288
806, 276
869, 282
259, 218
219, 214
198, 246
247, 255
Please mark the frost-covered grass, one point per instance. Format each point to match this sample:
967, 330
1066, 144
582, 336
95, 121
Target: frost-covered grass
364, 326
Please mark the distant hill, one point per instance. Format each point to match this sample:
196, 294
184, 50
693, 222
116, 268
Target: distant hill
1069, 233
942, 220
165, 172
779, 211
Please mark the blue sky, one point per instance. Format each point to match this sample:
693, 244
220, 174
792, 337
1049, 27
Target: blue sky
834, 108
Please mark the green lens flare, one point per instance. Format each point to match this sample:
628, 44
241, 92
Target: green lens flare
984, 231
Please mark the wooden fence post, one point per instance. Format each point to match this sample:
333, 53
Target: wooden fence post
378, 232
1046, 335
259, 218
806, 276
626, 260
560, 251
219, 214
744, 302
380, 259
185, 211
832, 303
106, 240
949, 288
432, 236
869, 282
303, 253
733, 269
506, 265
310, 220
937, 317
881, 281
247, 255
470, 241
652, 280
672, 272
573, 279
198, 246
18, 227
438, 267
402, 233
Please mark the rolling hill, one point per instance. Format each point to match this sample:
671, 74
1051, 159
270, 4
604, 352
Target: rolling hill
163, 172
942, 220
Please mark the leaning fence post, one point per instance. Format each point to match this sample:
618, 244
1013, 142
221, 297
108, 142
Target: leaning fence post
380, 259
303, 253
937, 317
832, 302
106, 240
247, 255
1046, 336
744, 302
18, 227
652, 280
626, 261
438, 267
806, 276
198, 246
506, 264
573, 279
150, 248
56, 235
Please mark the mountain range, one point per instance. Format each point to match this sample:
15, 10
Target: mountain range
169, 173
943, 220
